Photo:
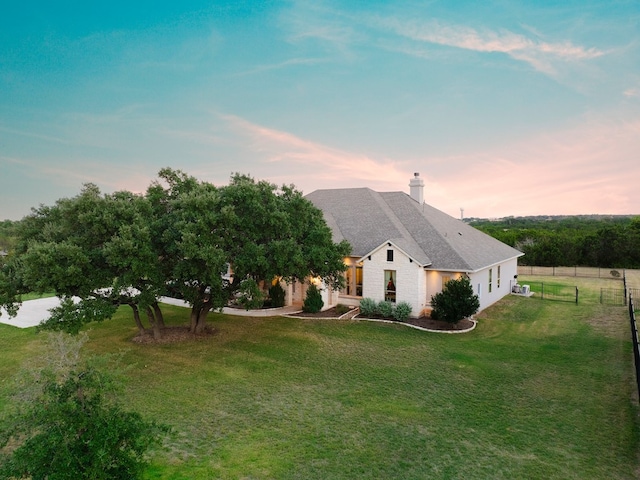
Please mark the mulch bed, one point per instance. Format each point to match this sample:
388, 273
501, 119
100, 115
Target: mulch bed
173, 335
441, 325
424, 322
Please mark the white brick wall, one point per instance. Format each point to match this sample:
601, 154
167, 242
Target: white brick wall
409, 278
481, 279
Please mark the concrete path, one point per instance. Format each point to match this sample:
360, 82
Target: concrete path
32, 312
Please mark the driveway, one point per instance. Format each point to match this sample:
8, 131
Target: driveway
32, 312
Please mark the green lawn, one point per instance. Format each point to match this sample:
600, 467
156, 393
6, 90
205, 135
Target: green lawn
539, 390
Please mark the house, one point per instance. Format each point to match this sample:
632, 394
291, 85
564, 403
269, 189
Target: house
405, 250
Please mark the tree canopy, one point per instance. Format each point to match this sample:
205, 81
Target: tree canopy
589, 241
99, 251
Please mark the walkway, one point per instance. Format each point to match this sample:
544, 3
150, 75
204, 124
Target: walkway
33, 312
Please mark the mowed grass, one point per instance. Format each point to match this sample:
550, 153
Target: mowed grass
539, 390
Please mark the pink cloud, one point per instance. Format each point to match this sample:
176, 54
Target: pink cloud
588, 169
329, 166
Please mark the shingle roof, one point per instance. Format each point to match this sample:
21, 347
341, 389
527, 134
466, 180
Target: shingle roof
367, 219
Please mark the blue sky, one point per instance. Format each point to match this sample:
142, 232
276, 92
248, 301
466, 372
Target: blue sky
505, 107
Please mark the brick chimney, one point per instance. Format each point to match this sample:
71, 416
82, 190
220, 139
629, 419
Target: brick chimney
416, 188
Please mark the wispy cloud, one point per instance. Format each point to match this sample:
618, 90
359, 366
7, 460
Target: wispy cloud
327, 164
292, 62
633, 92
541, 55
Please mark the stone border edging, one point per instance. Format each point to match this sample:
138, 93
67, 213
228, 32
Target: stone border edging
341, 317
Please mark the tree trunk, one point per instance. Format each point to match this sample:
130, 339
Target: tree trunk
202, 319
136, 317
159, 316
195, 311
199, 317
157, 333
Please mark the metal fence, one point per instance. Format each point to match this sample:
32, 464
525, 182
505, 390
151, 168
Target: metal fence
553, 291
634, 338
613, 296
591, 272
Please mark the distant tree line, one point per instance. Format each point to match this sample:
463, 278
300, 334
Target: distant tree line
590, 241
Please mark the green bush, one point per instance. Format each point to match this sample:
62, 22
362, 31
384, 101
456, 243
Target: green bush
455, 302
73, 426
276, 294
402, 311
368, 307
250, 295
385, 309
313, 302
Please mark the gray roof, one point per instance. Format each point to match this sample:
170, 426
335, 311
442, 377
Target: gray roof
368, 219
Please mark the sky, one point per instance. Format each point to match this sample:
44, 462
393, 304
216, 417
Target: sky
505, 108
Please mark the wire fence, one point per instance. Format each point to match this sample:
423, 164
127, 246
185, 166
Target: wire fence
589, 272
634, 339
550, 291
615, 296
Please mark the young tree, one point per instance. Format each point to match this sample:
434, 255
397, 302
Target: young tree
66, 423
455, 302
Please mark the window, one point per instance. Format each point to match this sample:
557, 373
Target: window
389, 255
359, 280
390, 285
498, 279
353, 280
490, 279
348, 276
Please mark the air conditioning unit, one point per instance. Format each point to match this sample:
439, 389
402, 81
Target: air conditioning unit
526, 289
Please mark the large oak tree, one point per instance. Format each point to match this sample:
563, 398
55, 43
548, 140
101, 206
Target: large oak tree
179, 238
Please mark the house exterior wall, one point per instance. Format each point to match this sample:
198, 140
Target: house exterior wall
435, 280
409, 278
480, 282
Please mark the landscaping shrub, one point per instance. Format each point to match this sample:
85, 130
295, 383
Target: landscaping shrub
313, 302
250, 295
385, 309
276, 293
402, 311
455, 302
368, 307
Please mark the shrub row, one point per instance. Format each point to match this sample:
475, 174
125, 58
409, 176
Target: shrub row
399, 312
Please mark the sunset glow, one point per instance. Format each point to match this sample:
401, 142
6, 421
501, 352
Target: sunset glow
504, 109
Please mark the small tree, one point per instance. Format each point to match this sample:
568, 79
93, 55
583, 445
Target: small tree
313, 302
250, 295
66, 423
455, 302
277, 295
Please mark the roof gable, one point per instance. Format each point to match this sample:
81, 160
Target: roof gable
367, 219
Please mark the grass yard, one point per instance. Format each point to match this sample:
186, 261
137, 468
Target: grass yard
538, 390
